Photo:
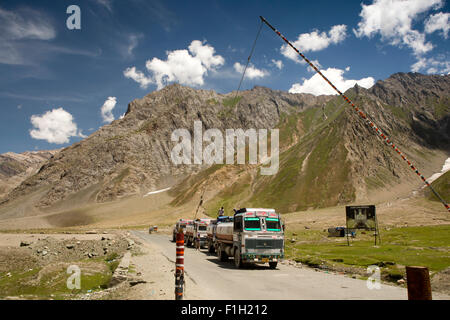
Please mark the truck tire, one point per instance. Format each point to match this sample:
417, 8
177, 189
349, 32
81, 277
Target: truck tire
174, 238
211, 248
273, 265
237, 259
221, 254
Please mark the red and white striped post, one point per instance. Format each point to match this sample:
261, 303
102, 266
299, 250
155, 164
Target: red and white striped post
179, 265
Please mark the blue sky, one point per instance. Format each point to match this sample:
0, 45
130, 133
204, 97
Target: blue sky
55, 82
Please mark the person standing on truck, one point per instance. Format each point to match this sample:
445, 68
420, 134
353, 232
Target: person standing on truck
221, 212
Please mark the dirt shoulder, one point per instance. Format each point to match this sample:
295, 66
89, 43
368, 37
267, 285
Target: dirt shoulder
38, 266
151, 276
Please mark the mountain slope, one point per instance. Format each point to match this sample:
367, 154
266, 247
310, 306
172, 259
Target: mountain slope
338, 160
16, 167
131, 156
328, 155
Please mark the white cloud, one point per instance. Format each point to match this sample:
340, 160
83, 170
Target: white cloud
106, 3
18, 26
316, 85
55, 126
277, 63
251, 72
183, 66
106, 109
205, 53
25, 24
138, 76
314, 41
438, 21
393, 20
133, 40
433, 65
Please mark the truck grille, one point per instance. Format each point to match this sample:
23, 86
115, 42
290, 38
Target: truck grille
264, 243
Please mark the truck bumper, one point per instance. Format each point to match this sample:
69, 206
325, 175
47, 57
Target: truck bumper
262, 258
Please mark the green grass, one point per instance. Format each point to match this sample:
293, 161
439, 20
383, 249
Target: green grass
229, 104
212, 101
421, 246
441, 106
323, 182
229, 197
397, 111
442, 186
53, 285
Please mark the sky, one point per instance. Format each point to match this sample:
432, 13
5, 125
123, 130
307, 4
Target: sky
65, 72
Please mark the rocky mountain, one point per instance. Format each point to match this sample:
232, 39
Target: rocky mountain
16, 167
335, 159
132, 155
328, 155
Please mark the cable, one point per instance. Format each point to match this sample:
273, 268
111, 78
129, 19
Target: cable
248, 60
362, 115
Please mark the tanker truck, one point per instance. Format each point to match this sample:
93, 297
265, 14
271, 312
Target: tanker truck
254, 236
180, 224
196, 233
211, 232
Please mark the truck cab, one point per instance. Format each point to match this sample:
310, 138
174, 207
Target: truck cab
196, 233
180, 224
258, 237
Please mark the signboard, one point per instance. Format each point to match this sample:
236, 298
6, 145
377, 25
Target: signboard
361, 217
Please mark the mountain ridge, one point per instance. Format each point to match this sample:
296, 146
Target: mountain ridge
131, 156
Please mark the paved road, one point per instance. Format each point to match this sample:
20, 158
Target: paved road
220, 280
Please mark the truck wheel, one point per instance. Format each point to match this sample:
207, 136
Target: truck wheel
174, 238
222, 255
273, 265
211, 248
237, 259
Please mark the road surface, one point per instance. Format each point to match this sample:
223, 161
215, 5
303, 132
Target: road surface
221, 280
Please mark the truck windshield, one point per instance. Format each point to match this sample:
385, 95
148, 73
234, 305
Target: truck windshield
252, 224
182, 226
202, 228
273, 224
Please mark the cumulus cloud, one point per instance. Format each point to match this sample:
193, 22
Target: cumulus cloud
316, 85
438, 21
187, 67
106, 109
277, 63
314, 41
55, 126
138, 76
433, 65
251, 72
393, 20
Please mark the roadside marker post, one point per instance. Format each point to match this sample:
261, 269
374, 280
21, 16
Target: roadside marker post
179, 265
418, 282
